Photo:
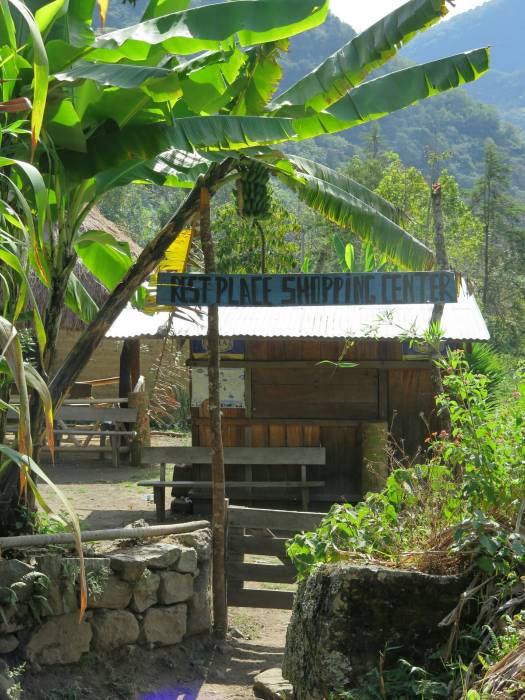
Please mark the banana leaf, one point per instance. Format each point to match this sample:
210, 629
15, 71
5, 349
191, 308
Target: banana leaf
105, 257
345, 209
347, 184
79, 300
110, 148
128, 75
47, 15
158, 8
208, 27
11, 352
349, 66
173, 168
394, 91
36, 382
40, 68
258, 82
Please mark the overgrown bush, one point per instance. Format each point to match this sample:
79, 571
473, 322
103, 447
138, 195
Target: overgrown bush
461, 510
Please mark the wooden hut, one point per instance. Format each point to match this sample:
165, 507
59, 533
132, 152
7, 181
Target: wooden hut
275, 392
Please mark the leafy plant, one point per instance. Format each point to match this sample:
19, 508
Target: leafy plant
482, 359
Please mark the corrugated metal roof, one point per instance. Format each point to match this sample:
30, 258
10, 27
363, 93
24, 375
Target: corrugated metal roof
461, 321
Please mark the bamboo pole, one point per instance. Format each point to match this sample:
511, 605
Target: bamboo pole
123, 533
220, 608
437, 310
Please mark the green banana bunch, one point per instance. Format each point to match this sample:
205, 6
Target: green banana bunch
252, 191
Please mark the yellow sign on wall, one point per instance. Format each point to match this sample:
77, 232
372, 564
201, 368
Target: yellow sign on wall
175, 260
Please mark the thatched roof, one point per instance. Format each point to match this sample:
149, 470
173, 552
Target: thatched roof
94, 221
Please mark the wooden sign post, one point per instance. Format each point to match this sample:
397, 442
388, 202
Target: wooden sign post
347, 289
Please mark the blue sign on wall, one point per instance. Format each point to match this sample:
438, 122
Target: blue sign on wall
353, 288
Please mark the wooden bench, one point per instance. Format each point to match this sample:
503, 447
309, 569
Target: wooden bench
75, 420
86, 421
246, 456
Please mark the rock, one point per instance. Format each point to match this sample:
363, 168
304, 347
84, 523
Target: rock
187, 562
160, 555
8, 644
114, 628
270, 685
175, 587
344, 616
51, 566
13, 570
11, 626
115, 594
60, 640
199, 605
145, 592
70, 600
137, 523
236, 633
127, 567
165, 626
200, 540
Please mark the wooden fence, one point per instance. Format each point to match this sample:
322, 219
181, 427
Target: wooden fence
261, 532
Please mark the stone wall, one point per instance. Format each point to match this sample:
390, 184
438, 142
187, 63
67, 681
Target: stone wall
345, 616
154, 593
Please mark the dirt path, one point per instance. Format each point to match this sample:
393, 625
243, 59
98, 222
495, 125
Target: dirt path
102, 496
198, 669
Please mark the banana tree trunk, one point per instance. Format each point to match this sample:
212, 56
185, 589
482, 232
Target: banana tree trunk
136, 275
9, 499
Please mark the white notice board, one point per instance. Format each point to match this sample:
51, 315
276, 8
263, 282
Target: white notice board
231, 384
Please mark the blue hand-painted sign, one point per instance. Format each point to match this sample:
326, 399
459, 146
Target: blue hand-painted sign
351, 288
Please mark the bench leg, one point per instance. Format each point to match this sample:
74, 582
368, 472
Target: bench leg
115, 450
159, 497
304, 490
102, 444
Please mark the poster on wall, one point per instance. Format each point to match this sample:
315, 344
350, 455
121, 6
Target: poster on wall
229, 349
232, 387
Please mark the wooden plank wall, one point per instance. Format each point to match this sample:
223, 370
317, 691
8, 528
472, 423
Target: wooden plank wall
293, 407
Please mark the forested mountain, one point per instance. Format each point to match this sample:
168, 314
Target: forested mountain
454, 122
499, 24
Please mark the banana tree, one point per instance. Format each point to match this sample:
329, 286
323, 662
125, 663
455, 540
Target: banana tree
183, 98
